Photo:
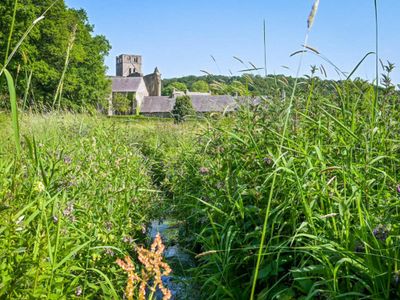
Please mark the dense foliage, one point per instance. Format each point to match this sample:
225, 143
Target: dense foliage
183, 108
79, 197
273, 85
326, 190
41, 59
173, 86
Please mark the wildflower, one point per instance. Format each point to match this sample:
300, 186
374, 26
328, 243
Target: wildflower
67, 160
204, 171
78, 291
68, 211
220, 149
108, 225
380, 232
109, 252
267, 161
127, 239
398, 189
39, 187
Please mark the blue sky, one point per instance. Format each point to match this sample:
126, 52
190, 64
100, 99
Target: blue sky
179, 36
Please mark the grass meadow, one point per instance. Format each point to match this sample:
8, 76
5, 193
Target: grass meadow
84, 189
294, 197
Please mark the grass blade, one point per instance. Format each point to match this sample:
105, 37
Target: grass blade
14, 110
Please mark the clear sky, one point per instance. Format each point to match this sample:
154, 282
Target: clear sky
179, 36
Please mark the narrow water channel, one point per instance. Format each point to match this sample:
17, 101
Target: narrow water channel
180, 283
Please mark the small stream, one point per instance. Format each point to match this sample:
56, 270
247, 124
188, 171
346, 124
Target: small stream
180, 283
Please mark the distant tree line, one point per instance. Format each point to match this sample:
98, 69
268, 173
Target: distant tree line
273, 85
63, 42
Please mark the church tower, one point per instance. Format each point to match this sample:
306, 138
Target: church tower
129, 65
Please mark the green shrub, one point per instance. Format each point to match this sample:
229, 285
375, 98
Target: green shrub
183, 107
122, 104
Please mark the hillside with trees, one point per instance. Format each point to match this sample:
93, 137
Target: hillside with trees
274, 85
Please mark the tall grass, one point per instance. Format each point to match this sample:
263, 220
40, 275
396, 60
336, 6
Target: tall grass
310, 22
292, 198
81, 196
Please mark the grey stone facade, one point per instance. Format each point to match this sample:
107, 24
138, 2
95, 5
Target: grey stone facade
129, 79
146, 91
129, 65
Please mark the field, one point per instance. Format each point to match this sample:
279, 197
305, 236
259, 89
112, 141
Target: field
307, 203
293, 196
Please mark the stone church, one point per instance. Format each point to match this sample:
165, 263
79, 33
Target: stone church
145, 92
129, 79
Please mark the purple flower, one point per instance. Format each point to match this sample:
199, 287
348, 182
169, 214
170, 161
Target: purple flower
68, 211
67, 160
381, 232
398, 189
204, 171
109, 252
267, 161
108, 225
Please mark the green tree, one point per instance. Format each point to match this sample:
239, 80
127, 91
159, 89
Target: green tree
200, 86
183, 107
178, 86
44, 53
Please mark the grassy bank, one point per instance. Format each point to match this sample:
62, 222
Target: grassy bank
325, 195
79, 196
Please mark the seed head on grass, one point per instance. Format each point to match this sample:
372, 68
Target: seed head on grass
311, 17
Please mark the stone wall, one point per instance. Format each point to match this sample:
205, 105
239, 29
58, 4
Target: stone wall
153, 83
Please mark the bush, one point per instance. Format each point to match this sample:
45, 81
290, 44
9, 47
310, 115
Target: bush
183, 107
121, 104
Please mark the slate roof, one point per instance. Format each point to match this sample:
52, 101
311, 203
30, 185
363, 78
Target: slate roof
207, 103
157, 104
125, 84
201, 103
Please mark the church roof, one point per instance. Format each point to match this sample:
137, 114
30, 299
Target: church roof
157, 104
125, 84
209, 103
201, 103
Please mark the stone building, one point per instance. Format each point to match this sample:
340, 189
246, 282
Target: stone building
130, 82
144, 92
